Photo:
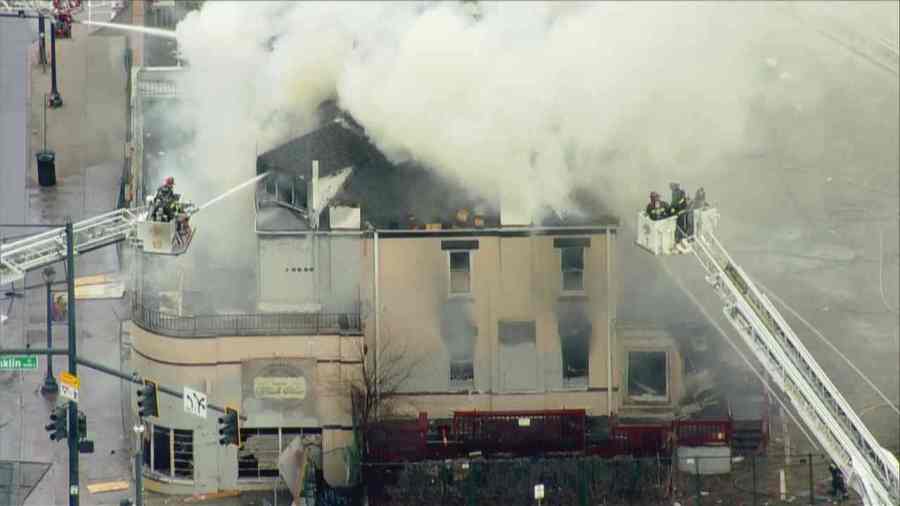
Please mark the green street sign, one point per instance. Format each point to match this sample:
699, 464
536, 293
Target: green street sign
18, 362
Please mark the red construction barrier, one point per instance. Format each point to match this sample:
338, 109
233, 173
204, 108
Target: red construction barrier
703, 432
520, 432
397, 440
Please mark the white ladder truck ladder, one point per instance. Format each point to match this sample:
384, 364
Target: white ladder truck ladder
47, 248
872, 470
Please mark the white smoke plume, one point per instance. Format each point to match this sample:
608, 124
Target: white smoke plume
545, 97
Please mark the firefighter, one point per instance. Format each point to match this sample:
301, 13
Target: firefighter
838, 486
679, 199
700, 199
679, 207
657, 209
165, 201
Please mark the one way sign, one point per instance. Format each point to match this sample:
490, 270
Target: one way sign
194, 402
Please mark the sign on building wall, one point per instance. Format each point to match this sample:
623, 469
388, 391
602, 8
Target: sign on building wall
194, 402
279, 388
280, 391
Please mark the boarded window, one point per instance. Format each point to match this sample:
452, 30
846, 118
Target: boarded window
572, 269
516, 332
517, 355
647, 376
460, 272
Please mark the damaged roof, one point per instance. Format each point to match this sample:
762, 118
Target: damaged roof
387, 193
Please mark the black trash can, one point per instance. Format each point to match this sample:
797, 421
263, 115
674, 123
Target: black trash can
46, 166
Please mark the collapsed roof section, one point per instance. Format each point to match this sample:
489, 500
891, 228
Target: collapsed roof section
354, 175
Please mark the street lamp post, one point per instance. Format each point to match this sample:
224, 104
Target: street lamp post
55, 98
50, 389
43, 42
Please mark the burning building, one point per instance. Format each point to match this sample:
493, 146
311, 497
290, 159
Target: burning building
486, 308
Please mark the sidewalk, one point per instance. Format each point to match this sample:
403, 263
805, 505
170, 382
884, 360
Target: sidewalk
90, 127
88, 136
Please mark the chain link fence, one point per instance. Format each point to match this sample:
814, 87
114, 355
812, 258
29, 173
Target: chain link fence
587, 480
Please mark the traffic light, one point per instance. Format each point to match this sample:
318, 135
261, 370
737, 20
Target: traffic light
82, 426
230, 428
84, 444
148, 402
57, 426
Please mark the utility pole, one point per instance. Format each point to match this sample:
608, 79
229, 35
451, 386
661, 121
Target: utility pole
50, 389
73, 360
55, 99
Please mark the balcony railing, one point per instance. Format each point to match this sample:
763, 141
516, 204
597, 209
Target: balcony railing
267, 324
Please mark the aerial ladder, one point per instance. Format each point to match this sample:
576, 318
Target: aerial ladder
135, 225
161, 227
872, 471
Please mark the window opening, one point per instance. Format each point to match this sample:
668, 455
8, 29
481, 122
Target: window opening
647, 376
183, 454
460, 272
572, 260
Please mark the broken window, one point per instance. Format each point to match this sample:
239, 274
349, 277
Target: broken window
518, 355
148, 449
160, 451
183, 453
460, 272
261, 448
169, 452
258, 456
572, 269
574, 341
648, 376
462, 371
462, 364
575, 332
459, 333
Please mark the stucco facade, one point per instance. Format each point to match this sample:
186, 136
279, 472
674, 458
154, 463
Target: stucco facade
504, 319
217, 366
515, 277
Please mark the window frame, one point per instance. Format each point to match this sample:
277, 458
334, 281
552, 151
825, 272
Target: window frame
661, 399
186, 437
149, 447
464, 383
563, 270
575, 382
281, 433
450, 271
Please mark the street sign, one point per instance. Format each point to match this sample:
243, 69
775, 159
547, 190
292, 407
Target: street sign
194, 402
539, 491
69, 385
18, 362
